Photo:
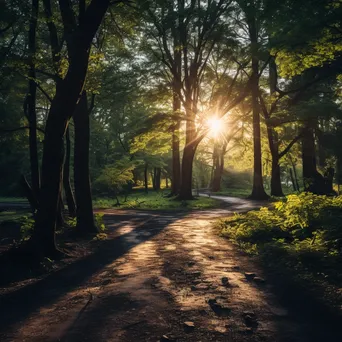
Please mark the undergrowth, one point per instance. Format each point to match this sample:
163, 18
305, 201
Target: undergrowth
300, 236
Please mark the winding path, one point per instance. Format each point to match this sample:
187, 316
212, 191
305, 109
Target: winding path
158, 277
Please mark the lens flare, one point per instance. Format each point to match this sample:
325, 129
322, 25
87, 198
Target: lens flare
215, 126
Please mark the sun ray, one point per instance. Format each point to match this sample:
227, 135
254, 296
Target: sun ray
215, 126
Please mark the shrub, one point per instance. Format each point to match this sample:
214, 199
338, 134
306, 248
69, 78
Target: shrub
300, 238
306, 221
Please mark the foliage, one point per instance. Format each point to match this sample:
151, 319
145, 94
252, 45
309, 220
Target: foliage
114, 177
305, 217
98, 217
71, 222
27, 224
302, 233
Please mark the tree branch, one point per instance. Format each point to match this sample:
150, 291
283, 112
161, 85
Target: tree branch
289, 146
43, 91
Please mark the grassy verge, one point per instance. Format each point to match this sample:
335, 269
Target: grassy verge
12, 215
245, 192
299, 241
13, 200
234, 192
155, 201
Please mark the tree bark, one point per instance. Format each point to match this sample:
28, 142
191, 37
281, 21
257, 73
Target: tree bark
175, 185
146, 178
322, 156
292, 180
191, 143
69, 195
276, 187
176, 93
329, 181
31, 100
152, 177
176, 167
60, 214
156, 178
313, 180
29, 193
218, 163
258, 191
64, 103
187, 164
84, 204
295, 175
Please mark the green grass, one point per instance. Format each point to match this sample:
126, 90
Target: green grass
12, 215
155, 201
234, 192
300, 240
245, 192
13, 199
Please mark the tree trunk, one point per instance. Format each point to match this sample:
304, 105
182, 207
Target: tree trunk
84, 204
43, 237
258, 191
295, 176
29, 193
166, 182
292, 180
146, 178
329, 181
135, 177
152, 178
69, 195
31, 100
313, 180
176, 90
187, 163
321, 151
191, 143
218, 163
176, 168
175, 185
156, 178
42, 242
338, 173
276, 187
60, 215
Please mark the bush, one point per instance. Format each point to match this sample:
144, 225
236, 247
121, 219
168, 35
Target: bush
306, 221
300, 237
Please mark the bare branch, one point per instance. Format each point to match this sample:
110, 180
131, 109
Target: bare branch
43, 91
289, 146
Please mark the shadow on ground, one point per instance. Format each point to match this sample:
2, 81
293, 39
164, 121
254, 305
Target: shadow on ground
19, 304
305, 301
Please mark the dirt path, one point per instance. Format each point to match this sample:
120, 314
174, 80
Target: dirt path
154, 273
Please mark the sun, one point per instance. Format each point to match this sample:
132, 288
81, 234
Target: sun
215, 126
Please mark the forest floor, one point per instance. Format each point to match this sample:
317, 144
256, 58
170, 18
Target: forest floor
159, 277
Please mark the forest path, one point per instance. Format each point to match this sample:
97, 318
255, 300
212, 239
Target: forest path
154, 273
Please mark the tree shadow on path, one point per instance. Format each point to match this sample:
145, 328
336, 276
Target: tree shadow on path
18, 305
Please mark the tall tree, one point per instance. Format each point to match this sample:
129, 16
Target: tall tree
84, 204
30, 102
251, 11
66, 177
198, 27
78, 37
